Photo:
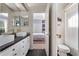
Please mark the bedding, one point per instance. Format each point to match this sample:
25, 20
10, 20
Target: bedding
38, 36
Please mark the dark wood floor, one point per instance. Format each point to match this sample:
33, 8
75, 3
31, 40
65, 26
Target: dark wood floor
68, 54
36, 52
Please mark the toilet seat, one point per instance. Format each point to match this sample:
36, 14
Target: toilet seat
63, 48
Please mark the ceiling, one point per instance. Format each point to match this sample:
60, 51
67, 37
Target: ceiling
17, 6
26, 6
32, 5
35, 7
65, 4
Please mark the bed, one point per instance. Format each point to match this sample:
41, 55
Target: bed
38, 36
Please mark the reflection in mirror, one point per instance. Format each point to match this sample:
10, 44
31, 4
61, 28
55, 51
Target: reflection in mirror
18, 23
3, 22
73, 21
21, 21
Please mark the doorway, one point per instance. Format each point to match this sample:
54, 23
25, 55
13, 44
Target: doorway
38, 30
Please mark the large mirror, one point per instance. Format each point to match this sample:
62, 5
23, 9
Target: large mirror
3, 22
21, 21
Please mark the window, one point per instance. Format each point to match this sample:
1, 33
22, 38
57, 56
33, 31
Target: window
2, 29
73, 21
3, 22
71, 27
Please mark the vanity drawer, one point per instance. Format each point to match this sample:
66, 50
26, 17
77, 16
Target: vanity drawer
7, 52
19, 49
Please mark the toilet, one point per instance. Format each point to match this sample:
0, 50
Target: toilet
63, 50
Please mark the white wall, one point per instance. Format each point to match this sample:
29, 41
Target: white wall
71, 31
47, 29
37, 26
57, 11
31, 28
60, 28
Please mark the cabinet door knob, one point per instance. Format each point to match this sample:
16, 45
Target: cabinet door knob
15, 54
13, 49
23, 46
23, 41
23, 53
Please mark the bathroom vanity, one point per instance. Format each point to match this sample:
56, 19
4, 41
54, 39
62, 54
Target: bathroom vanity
18, 47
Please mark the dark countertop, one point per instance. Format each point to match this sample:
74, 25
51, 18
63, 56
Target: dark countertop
17, 39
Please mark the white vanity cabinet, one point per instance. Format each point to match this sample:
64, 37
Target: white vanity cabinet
22, 47
26, 45
7, 52
19, 49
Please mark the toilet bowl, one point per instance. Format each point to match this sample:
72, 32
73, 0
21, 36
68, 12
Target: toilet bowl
63, 50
